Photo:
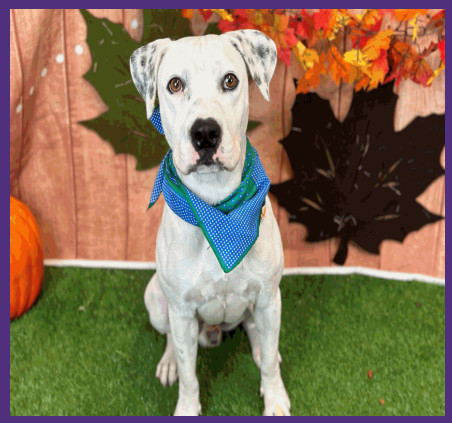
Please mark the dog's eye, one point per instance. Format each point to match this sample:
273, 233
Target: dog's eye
230, 81
175, 85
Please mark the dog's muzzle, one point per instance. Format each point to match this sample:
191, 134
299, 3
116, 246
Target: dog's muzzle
205, 136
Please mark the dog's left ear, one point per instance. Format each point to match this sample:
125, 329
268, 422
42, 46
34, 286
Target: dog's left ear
144, 64
259, 53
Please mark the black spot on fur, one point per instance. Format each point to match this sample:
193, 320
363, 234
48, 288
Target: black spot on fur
262, 51
239, 38
143, 61
151, 90
235, 45
257, 79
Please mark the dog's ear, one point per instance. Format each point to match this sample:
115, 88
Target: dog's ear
144, 64
259, 53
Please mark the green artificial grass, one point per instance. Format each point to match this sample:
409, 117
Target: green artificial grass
87, 348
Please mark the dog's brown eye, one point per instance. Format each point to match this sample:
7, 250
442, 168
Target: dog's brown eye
230, 81
175, 85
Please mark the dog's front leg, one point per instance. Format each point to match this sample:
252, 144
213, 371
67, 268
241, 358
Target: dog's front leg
184, 331
267, 316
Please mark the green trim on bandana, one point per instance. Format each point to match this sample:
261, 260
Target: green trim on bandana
244, 191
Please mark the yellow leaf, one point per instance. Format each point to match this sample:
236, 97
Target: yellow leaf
342, 20
306, 56
299, 50
435, 74
310, 57
414, 23
224, 15
356, 57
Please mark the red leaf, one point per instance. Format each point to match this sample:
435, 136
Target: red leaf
421, 73
369, 374
241, 21
206, 14
442, 50
301, 28
284, 54
322, 19
290, 37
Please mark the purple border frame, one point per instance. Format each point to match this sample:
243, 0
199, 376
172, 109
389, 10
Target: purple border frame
175, 4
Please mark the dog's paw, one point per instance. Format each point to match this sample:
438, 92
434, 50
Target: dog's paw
276, 400
167, 368
187, 408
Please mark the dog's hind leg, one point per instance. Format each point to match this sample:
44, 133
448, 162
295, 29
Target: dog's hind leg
155, 302
157, 307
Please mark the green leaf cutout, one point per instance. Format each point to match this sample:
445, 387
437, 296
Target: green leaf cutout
125, 125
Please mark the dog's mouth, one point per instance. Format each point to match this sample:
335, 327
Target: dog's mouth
207, 165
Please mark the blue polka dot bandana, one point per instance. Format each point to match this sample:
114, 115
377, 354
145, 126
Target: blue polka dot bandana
156, 120
231, 227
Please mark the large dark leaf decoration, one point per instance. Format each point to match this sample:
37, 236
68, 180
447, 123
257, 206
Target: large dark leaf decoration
124, 124
359, 180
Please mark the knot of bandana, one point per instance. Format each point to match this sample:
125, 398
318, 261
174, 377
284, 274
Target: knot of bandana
230, 227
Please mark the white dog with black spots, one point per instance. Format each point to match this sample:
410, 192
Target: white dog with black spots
202, 87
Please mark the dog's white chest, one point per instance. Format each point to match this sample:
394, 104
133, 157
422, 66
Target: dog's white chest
191, 275
224, 300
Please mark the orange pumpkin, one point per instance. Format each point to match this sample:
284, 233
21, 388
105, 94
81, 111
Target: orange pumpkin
26, 259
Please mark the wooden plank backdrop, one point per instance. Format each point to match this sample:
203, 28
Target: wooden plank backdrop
91, 203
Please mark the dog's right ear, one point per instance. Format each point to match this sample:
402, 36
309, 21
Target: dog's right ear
144, 64
259, 53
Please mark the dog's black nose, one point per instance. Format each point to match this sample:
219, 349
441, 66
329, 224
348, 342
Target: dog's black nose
205, 134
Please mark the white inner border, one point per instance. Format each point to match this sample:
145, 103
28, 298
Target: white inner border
332, 270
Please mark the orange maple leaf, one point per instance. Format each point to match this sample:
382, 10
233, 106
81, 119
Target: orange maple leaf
338, 68
408, 14
312, 77
187, 13
378, 70
381, 41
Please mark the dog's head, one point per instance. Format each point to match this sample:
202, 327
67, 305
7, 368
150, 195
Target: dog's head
202, 85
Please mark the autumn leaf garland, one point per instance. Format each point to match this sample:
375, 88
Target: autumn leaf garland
377, 55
